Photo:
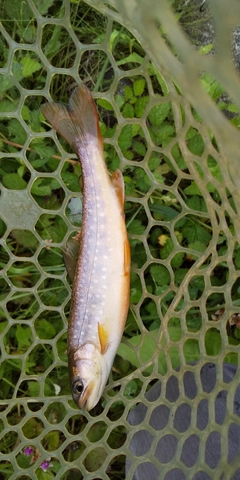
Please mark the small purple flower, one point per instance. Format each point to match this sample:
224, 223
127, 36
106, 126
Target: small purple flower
45, 465
28, 451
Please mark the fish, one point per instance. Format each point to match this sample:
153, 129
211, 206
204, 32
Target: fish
99, 256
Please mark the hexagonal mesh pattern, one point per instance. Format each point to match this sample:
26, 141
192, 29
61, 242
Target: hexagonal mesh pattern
177, 360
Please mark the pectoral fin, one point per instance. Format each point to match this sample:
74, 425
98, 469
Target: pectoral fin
70, 255
103, 338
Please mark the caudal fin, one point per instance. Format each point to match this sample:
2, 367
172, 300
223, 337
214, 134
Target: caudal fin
77, 122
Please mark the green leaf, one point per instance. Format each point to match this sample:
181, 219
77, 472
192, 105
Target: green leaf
166, 249
26, 113
43, 150
195, 232
71, 181
192, 189
38, 188
196, 203
5, 84
140, 106
174, 330
148, 348
18, 11
205, 49
135, 227
158, 113
136, 289
177, 260
166, 131
23, 336
54, 43
45, 329
137, 130
25, 238
154, 161
139, 148
17, 132
105, 104
128, 92
128, 111
29, 66
233, 108
191, 350
132, 58
7, 106
119, 101
216, 172
139, 86
95, 458
168, 213
213, 342
179, 275
196, 144
196, 287
198, 246
52, 440
43, 5
160, 274
125, 137
13, 181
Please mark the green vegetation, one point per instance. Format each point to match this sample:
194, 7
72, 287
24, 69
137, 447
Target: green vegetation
165, 210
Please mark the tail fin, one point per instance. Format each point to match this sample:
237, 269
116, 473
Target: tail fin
77, 122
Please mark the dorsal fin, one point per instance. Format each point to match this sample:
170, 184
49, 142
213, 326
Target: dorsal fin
70, 256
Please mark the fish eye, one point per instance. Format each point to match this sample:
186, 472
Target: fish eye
77, 387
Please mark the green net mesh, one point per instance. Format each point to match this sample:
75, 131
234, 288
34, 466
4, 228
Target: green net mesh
156, 96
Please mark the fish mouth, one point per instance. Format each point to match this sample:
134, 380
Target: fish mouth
84, 400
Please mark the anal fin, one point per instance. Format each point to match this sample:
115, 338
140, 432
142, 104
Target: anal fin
127, 257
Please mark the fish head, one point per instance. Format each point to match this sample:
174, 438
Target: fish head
88, 373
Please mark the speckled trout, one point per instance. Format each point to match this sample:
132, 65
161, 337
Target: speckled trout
100, 294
